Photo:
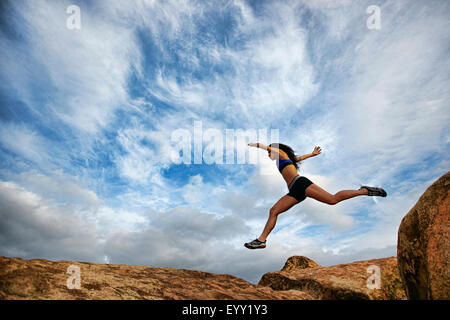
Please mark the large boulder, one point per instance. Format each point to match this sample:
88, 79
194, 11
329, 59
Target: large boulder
352, 281
423, 248
299, 262
44, 279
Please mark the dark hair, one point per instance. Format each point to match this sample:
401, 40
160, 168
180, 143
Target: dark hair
288, 151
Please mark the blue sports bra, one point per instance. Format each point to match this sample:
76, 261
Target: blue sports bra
283, 163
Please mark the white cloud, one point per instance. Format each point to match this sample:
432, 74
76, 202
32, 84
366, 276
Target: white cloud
23, 141
34, 227
269, 73
59, 187
194, 191
87, 69
394, 113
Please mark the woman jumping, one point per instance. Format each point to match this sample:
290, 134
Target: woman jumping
299, 187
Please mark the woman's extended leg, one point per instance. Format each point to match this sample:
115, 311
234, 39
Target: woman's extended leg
285, 203
316, 192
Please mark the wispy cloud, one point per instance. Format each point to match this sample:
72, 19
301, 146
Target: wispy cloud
83, 73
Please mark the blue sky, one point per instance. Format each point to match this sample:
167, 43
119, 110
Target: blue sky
87, 117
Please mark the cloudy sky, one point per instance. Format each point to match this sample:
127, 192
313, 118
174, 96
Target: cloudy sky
88, 116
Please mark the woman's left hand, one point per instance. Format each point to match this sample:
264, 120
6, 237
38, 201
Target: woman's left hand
316, 151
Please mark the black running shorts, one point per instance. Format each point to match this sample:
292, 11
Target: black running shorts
298, 186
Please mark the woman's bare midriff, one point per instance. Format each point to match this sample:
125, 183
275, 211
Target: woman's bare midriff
289, 173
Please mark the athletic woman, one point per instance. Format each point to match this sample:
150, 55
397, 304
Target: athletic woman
299, 187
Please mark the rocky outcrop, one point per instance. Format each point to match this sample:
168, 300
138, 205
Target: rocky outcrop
299, 262
300, 279
43, 279
423, 247
345, 281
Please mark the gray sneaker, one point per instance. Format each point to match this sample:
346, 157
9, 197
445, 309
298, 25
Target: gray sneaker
255, 244
375, 191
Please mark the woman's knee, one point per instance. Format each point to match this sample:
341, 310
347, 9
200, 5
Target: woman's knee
333, 200
274, 211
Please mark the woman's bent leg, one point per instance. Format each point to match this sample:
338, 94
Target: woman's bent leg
285, 203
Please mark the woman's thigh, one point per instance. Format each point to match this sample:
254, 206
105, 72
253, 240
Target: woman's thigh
319, 194
285, 203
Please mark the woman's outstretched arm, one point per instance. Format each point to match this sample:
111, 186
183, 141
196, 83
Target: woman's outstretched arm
262, 146
258, 145
316, 152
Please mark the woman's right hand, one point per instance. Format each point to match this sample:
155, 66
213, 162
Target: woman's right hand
253, 144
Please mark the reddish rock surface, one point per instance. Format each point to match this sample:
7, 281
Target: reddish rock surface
302, 279
344, 281
299, 262
423, 247
43, 279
